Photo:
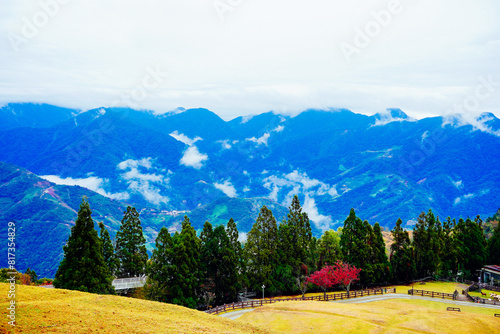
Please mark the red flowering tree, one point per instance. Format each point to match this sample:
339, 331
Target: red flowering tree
323, 278
345, 274
339, 274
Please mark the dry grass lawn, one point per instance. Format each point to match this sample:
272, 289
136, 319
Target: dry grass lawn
390, 316
41, 310
446, 287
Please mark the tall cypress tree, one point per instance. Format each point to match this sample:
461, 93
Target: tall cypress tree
401, 254
186, 278
426, 244
329, 247
380, 261
298, 234
472, 246
233, 235
108, 251
449, 255
131, 246
83, 267
493, 248
160, 270
261, 251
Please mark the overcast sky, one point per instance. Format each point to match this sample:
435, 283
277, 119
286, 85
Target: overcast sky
239, 57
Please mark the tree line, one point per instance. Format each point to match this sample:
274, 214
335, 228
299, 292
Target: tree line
212, 268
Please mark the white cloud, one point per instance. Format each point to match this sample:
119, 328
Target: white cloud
227, 188
130, 163
264, 138
458, 184
226, 144
145, 184
477, 122
92, 183
261, 140
321, 221
90, 52
184, 139
388, 117
242, 237
424, 136
193, 158
246, 118
466, 197
284, 187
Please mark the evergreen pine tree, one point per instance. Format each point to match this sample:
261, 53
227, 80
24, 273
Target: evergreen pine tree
426, 245
233, 235
160, 269
380, 261
472, 246
131, 246
401, 254
356, 242
83, 267
329, 247
449, 253
299, 233
208, 263
493, 248
261, 251
186, 277
108, 251
226, 264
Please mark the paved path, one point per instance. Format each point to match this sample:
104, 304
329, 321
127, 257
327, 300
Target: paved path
359, 300
236, 314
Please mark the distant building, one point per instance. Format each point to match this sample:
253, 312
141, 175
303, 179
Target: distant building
490, 274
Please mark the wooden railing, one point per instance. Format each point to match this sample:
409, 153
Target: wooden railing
432, 294
328, 297
479, 299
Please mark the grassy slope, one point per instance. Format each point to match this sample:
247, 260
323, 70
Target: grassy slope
43, 310
391, 316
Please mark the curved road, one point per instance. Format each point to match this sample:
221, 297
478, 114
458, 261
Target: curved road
236, 314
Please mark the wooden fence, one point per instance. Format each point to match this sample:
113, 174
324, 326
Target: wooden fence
479, 299
432, 294
328, 297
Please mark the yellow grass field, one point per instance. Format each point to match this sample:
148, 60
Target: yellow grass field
446, 287
41, 310
390, 316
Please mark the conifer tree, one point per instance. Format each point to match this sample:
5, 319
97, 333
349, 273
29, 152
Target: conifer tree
493, 248
472, 246
108, 251
233, 235
449, 253
356, 243
226, 265
298, 234
131, 246
83, 267
261, 251
380, 261
401, 254
329, 247
186, 277
160, 269
426, 244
